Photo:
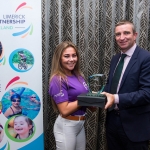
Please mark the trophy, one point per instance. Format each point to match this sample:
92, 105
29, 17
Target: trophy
95, 99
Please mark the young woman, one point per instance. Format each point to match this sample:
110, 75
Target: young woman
66, 83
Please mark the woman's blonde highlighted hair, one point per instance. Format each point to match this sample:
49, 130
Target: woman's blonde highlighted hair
58, 70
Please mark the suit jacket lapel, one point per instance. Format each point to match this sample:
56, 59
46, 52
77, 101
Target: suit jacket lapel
129, 66
113, 66
115, 61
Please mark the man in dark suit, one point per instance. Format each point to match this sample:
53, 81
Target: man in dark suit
128, 122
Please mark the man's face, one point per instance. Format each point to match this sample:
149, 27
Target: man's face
125, 37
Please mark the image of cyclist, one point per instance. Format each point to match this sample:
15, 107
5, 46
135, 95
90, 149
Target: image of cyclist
22, 56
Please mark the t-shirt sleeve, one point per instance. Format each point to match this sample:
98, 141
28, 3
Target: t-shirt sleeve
58, 90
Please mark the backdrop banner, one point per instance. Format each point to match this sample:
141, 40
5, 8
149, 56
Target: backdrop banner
21, 103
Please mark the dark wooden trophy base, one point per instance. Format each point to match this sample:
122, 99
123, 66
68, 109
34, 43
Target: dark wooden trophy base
91, 100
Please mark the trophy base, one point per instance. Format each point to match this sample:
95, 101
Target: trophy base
85, 100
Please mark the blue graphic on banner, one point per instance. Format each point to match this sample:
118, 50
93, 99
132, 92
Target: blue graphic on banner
1, 59
3, 148
36, 144
22, 32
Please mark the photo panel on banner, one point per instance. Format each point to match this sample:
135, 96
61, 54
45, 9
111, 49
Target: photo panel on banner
21, 103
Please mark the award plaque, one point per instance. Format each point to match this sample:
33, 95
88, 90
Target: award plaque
95, 99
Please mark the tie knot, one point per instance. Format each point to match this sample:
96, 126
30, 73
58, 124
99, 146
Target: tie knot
123, 56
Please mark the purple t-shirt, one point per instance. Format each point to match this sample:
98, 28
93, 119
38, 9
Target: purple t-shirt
68, 91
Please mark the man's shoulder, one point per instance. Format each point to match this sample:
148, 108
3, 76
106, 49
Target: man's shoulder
142, 50
142, 54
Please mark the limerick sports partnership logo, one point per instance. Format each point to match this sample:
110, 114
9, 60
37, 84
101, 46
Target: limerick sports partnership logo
29, 29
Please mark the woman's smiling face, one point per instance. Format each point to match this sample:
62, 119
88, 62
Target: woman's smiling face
68, 60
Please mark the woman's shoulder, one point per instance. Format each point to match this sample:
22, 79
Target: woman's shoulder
55, 78
81, 77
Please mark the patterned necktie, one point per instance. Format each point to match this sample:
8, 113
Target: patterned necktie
117, 75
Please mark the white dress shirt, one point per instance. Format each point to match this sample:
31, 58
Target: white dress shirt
129, 54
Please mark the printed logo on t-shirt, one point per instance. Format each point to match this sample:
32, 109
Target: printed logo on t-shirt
85, 85
61, 94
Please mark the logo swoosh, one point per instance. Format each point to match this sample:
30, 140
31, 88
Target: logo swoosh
12, 80
20, 6
22, 32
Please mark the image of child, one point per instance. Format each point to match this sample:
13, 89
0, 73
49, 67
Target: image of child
15, 108
23, 126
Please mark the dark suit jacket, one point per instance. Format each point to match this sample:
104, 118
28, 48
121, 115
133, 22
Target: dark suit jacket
134, 95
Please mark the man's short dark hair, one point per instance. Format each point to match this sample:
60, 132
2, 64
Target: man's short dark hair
122, 22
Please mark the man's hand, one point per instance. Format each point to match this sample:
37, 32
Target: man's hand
110, 99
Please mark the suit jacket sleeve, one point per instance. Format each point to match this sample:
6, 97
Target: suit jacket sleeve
135, 85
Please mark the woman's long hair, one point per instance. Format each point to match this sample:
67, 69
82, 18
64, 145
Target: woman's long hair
58, 70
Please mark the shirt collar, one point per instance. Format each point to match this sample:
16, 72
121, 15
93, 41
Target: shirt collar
130, 51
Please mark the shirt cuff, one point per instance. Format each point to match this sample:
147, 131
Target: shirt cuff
116, 98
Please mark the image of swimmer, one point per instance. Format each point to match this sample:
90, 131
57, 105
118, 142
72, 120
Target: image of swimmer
1, 132
23, 126
15, 108
35, 102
